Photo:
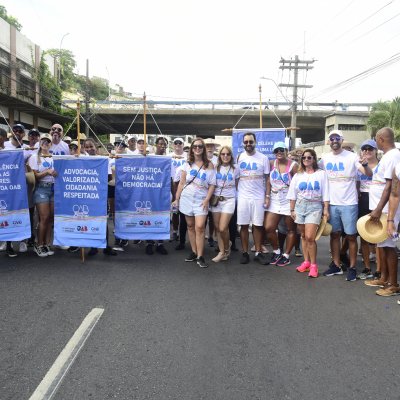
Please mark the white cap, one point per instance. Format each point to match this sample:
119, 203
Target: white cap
335, 132
178, 139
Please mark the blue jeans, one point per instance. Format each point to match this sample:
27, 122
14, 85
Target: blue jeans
344, 218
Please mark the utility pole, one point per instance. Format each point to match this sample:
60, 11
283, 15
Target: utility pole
87, 99
295, 65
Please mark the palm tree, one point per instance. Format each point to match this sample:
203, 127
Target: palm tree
385, 113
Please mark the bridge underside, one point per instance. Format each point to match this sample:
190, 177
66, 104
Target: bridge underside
207, 123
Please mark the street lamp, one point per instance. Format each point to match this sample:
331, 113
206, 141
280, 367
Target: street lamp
277, 86
59, 59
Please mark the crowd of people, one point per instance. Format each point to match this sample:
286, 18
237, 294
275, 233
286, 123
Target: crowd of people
281, 202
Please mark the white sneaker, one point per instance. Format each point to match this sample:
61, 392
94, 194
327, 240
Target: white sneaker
253, 248
264, 249
23, 248
3, 246
48, 250
40, 251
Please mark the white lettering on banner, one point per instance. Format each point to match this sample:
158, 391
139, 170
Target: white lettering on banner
142, 184
9, 166
81, 187
80, 171
80, 179
81, 195
153, 170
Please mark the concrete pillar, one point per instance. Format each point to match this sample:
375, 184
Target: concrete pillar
37, 85
13, 61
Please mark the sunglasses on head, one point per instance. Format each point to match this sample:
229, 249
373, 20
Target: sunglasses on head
198, 146
55, 129
367, 148
248, 141
279, 150
226, 154
335, 138
307, 157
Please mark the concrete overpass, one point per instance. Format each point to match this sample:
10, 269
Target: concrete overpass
207, 119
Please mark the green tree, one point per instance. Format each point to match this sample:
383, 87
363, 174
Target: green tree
98, 88
385, 113
66, 64
9, 18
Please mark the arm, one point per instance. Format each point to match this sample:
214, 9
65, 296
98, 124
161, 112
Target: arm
292, 212
364, 168
267, 191
394, 201
181, 185
376, 214
208, 197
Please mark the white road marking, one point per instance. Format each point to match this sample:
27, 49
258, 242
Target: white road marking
52, 380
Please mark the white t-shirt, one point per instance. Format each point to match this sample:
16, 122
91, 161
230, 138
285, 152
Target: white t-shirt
382, 172
342, 176
311, 187
229, 176
10, 146
198, 187
280, 181
176, 162
41, 164
59, 149
252, 171
397, 171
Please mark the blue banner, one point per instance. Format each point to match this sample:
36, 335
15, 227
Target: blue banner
143, 197
80, 201
266, 138
14, 213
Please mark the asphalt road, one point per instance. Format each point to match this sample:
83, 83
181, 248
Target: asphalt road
171, 330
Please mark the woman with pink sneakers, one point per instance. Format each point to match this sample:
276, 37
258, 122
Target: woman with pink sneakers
309, 200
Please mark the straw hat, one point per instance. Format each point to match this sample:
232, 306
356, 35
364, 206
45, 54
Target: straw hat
373, 232
324, 229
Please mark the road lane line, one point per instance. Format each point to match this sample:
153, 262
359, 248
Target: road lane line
52, 380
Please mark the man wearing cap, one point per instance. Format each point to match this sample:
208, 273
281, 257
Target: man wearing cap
15, 142
33, 144
341, 167
140, 147
178, 159
131, 145
58, 147
379, 194
253, 173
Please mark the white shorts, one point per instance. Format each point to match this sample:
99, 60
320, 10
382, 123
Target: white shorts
227, 206
389, 242
191, 206
277, 207
250, 211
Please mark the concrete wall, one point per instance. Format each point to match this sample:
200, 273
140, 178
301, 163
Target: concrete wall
4, 35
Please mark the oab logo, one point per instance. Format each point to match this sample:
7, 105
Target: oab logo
80, 210
82, 228
3, 224
143, 206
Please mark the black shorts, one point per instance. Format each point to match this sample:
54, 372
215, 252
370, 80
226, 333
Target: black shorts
363, 204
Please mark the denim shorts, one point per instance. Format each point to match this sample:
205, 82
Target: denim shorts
43, 193
344, 218
308, 212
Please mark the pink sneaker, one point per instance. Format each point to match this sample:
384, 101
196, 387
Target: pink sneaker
313, 271
304, 267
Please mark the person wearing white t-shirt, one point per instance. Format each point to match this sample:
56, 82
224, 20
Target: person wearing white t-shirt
178, 158
309, 200
392, 228
379, 194
253, 172
58, 147
341, 167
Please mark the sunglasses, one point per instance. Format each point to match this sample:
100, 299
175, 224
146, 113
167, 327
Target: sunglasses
279, 150
367, 148
335, 139
198, 146
54, 129
225, 154
248, 142
178, 143
307, 158
18, 130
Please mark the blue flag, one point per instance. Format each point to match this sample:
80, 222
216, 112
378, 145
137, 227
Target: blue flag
80, 201
14, 213
266, 138
143, 197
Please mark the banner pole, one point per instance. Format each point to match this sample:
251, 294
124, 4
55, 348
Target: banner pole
259, 90
144, 124
78, 128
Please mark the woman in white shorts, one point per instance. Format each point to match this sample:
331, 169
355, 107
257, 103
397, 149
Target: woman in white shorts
309, 200
193, 196
225, 189
282, 171
42, 165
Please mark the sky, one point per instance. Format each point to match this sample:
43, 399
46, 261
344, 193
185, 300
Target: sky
219, 49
